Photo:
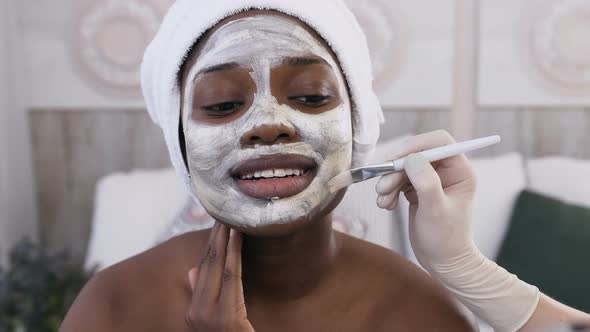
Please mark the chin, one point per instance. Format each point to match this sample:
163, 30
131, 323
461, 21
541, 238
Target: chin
292, 226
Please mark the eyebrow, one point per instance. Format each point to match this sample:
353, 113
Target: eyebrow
291, 61
220, 67
303, 61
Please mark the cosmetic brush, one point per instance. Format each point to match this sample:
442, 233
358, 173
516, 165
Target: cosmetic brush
368, 172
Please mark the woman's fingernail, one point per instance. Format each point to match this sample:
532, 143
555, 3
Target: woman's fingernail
192, 277
415, 163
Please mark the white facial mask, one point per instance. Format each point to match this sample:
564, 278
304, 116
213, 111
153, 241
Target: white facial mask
262, 43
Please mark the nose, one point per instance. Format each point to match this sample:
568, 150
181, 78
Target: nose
269, 135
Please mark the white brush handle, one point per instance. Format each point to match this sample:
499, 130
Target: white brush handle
452, 150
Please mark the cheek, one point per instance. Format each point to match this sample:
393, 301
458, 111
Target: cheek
206, 146
330, 131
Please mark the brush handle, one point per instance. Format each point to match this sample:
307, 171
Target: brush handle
451, 150
432, 155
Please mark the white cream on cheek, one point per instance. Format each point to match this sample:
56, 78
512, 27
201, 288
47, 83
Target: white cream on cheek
261, 43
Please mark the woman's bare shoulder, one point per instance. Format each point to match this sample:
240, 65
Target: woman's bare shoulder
401, 293
127, 292
381, 262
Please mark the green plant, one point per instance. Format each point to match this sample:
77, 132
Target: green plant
37, 288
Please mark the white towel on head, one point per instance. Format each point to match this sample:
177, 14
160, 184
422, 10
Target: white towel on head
187, 20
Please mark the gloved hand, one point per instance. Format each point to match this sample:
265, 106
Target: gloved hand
441, 199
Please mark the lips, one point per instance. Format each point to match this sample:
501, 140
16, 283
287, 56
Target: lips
276, 176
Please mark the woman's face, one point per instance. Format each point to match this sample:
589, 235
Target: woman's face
267, 122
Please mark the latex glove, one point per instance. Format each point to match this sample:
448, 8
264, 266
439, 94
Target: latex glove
441, 198
218, 297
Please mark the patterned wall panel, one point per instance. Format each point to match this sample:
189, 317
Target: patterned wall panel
559, 45
386, 31
111, 36
109, 43
92, 49
535, 53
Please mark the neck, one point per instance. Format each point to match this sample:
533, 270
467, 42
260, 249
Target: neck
288, 267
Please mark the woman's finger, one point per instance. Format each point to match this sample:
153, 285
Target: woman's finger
232, 292
204, 265
192, 277
215, 263
197, 279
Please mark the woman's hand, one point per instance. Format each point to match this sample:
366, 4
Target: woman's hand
218, 297
440, 197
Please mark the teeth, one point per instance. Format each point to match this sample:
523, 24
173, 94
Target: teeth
273, 173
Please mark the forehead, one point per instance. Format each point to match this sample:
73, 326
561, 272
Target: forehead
204, 45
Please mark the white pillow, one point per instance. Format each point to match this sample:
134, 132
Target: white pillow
500, 181
131, 211
562, 178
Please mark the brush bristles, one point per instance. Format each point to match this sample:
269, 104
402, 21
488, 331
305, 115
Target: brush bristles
340, 181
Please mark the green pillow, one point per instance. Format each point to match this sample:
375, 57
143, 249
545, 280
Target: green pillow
548, 245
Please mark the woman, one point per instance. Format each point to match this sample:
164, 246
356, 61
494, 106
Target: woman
265, 112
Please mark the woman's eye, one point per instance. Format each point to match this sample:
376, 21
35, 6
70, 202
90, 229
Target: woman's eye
227, 107
313, 100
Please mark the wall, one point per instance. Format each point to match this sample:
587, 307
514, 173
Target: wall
18, 214
534, 132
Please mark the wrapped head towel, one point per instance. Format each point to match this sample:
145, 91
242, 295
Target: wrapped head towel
188, 20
